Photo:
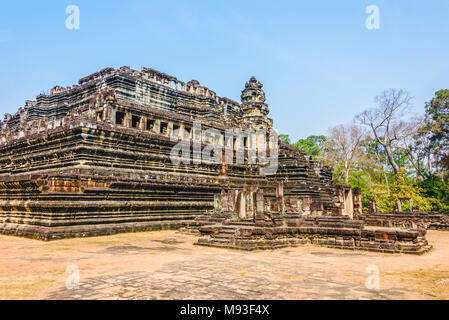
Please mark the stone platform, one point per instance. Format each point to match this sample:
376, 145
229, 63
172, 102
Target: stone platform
329, 231
81, 231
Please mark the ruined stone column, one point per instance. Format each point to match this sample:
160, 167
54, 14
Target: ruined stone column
280, 190
241, 205
372, 207
357, 201
259, 202
307, 201
399, 205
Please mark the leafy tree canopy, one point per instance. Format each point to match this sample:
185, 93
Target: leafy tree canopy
397, 157
437, 125
437, 115
312, 145
284, 138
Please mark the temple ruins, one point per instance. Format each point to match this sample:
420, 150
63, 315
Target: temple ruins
97, 158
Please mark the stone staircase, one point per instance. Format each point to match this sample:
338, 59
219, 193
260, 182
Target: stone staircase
202, 220
239, 235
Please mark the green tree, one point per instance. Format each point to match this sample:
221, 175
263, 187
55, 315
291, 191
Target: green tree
400, 187
437, 190
437, 123
312, 145
285, 138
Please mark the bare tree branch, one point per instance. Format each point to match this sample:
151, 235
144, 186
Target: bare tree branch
385, 120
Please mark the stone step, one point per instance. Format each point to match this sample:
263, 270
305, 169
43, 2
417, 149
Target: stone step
242, 224
222, 236
228, 231
214, 240
228, 227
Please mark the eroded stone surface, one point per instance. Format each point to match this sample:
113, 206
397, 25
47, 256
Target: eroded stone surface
200, 279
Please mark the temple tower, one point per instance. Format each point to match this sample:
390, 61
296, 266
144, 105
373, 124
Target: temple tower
255, 110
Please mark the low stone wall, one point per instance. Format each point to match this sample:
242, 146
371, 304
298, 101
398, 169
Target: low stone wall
425, 220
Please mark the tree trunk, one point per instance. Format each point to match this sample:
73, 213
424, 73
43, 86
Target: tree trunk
415, 165
383, 172
429, 163
391, 159
386, 181
346, 172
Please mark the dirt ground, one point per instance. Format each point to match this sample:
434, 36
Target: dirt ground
166, 265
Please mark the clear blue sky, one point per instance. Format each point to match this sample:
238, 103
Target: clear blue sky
319, 65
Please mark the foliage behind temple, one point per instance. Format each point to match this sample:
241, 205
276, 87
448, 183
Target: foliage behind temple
390, 156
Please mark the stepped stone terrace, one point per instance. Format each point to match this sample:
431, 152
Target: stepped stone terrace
96, 158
